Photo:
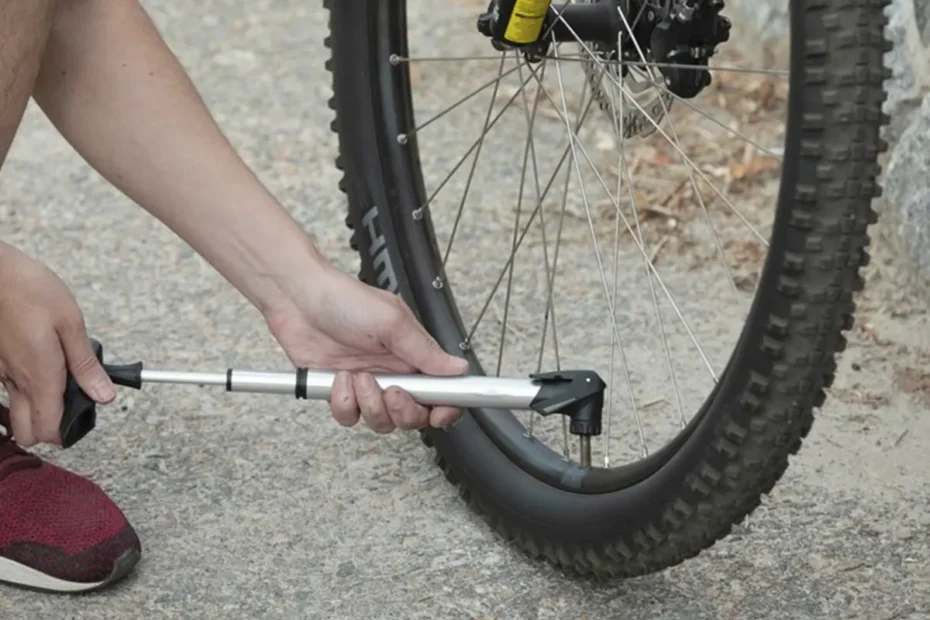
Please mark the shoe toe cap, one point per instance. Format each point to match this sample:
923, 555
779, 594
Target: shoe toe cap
64, 526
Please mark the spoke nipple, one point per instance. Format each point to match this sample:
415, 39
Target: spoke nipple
465, 345
437, 283
394, 59
401, 138
418, 214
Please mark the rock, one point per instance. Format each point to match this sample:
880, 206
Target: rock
922, 17
909, 31
907, 197
769, 18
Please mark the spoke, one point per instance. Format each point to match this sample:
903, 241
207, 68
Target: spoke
642, 11
618, 134
474, 165
550, 302
418, 213
396, 59
550, 275
687, 159
670, 65
533, 215
402, 138
618, 127
624, 169
695, 168
586, 447
531, 144
558, 17
694, 187
610, 364
639, 246
530, 121
732, 130
516, 225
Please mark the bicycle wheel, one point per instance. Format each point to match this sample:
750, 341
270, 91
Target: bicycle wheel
601, 236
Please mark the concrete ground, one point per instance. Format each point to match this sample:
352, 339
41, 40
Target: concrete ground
250, 507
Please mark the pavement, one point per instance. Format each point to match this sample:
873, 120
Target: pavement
251, 507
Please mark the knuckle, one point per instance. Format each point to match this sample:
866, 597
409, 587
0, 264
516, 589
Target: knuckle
26, 380
84, 365
397, 313
71, 320
379, 422
344, 409
412, 421
344, 417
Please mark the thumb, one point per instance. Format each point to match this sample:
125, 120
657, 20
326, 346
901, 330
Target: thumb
84, 365
413, 344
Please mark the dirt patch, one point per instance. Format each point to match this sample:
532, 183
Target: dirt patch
913, 381
859, 395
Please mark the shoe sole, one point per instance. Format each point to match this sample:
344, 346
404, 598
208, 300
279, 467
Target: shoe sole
22, 576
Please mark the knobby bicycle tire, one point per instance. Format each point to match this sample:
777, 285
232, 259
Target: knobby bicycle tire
738, 447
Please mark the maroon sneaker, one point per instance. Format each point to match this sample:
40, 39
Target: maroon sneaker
59, 532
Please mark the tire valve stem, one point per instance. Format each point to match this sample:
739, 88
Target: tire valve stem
585, 445
578, 394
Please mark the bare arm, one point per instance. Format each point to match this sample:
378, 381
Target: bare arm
116, 92
24, 30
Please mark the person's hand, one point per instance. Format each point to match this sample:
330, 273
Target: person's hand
333, 321
42, 337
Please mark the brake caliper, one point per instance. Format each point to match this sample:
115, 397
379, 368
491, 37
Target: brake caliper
687, 37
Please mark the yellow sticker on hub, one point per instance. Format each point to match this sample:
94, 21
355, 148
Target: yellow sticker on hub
526, 21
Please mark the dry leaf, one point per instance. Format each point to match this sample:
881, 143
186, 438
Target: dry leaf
415, 74
747, 250
659, 158
753, 167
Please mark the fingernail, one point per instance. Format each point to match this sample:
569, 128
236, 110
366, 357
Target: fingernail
444, 420
103, 391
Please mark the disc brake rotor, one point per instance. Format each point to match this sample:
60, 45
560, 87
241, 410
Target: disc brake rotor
604, 73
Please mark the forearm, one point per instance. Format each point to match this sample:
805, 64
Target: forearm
24, 30
119, 96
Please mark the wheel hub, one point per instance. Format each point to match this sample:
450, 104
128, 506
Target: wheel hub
679, 36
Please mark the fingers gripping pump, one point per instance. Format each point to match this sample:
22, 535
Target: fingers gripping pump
578, 394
